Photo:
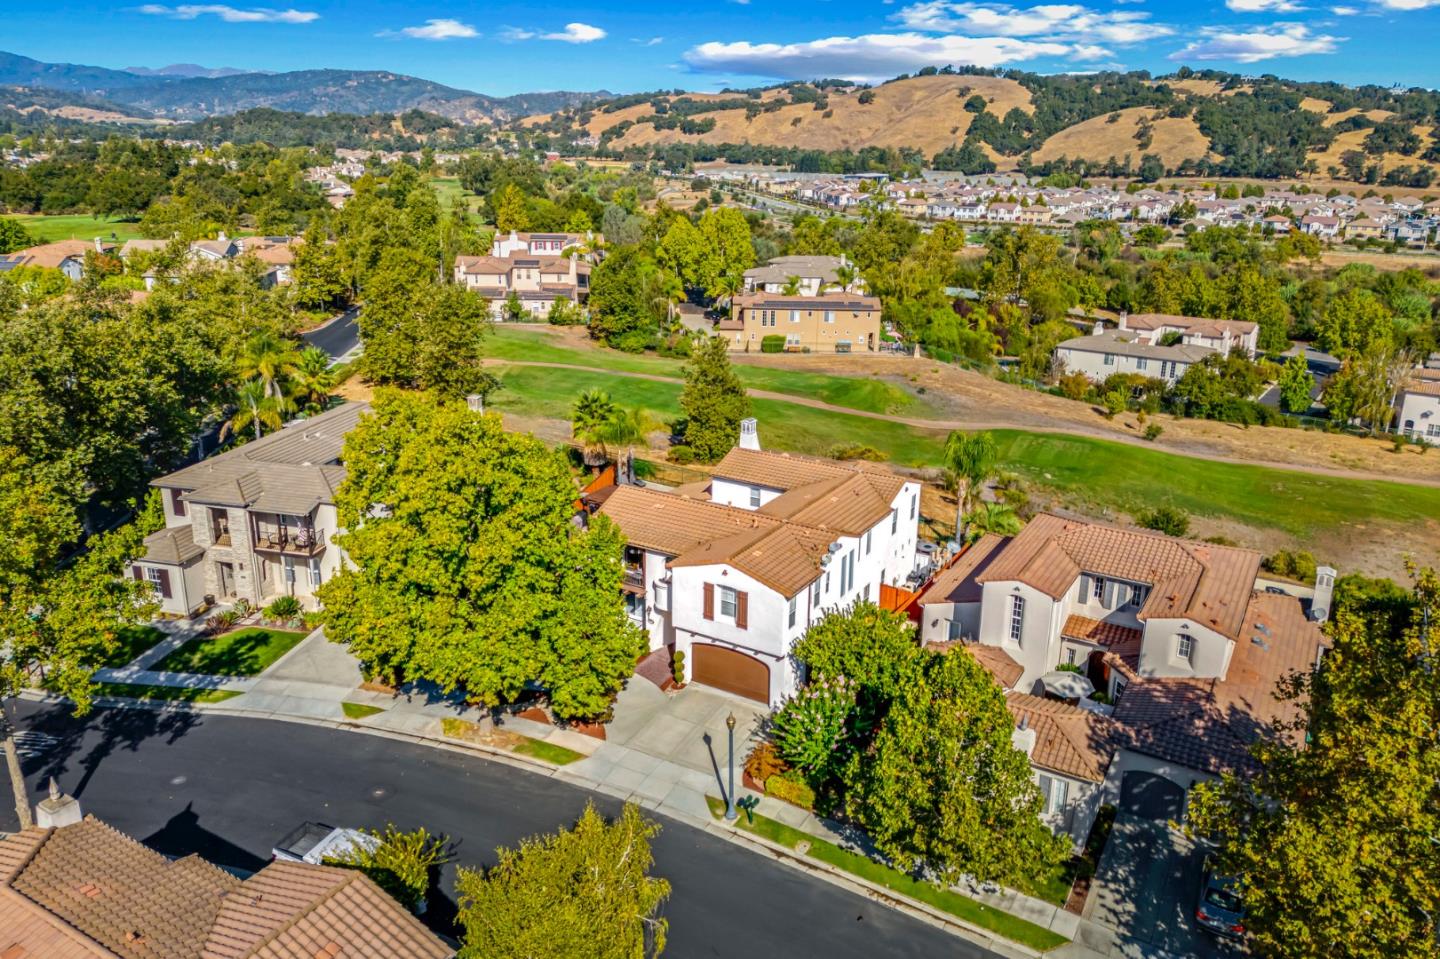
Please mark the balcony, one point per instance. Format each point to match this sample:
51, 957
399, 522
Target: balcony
296, 542
634, 579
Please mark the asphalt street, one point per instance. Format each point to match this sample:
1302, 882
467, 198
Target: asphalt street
228, 788
337, 337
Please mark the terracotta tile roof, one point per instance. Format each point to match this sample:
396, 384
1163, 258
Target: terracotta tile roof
1208, 584
89, 892
849, 504
1100, 633
1068, 740
1210, 724
1153, 321
53, 254
999, 663
956, 583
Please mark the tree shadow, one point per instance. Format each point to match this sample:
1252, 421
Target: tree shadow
182, 835
117, 728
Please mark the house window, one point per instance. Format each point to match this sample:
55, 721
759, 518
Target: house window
754, 497
894, 521
1141, 363
314, 572
815, 594
1017, 618
177, 505
1070, 656
790, 617
913, 498
1184, 646
1109, 359
289, 569
794, 316
1097, 590
1138, 595
727, 601
153, 576
1055, 792
869, 537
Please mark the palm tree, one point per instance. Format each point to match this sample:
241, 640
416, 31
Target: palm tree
970, 460
313, 379
269, 359
728, 286
792, 286
254, 407
846, 275
588, 422
628, 427
999, 518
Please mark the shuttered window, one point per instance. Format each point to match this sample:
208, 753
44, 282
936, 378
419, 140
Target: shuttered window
709, 601
177, 505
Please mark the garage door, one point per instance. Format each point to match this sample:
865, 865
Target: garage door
1151, 796
731, 671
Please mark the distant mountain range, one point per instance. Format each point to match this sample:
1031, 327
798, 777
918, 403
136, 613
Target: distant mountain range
189, 92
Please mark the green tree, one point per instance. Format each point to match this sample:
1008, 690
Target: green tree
728, 247
14, 236
714, 401
998, 518
970, 460
942, 786
1351, 322
683, 251
1333, 842
582, 893
271, 361
312, 380
812, 728
510, 209
1169, 520
472, 575
1296, 384
620, 311
254, 409
875, 648
318, 277
404, 864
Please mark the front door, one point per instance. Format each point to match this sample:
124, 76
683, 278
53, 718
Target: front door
227, 579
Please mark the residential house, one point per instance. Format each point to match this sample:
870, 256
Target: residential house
84, 890
1278, 224
733, 572
1220, 336
1175, 633
67, 256
539, 244
1364, 228
254, 522
536, 281
214, 251
816, 274
1003, 212
829, 322
1325, 227
1033, 215
1104, 353
1417, 406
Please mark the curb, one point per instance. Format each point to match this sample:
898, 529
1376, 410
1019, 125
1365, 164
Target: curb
913, 908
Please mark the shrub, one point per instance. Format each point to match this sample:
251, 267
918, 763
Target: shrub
677, 668
222, 621
764, 761
401, 863
1114, 403
1299, 565
681, 455
810, 729
774, 343
1153, 431
944, 356
867, 97
242, 608
1165, 519
284, 607
1075, 386
790, 787
856, 451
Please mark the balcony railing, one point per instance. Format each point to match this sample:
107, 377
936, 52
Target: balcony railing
302, 542
635, 578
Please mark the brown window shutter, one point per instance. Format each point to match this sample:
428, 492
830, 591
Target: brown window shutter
742, 608
137, 572
709, 600
164, 583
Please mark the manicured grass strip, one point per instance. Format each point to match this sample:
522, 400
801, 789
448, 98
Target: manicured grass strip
963, 907
868, 394
359, 710
245, 652
131, 641
79, 226
185, 694
547, 752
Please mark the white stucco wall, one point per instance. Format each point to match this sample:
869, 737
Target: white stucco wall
1419, 416
1093, 365
1209, 656
730, 493
1038, 649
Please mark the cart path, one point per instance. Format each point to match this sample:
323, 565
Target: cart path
946, 425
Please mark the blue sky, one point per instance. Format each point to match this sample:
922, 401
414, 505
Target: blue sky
629, 45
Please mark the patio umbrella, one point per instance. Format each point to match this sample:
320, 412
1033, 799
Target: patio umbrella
1067, 685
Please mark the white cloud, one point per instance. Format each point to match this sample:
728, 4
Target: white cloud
190, 11
1408, 4
651, 42
1344, 11
442, 29
1252, 46
875, 56
1263, 6
1057, 21
573, 33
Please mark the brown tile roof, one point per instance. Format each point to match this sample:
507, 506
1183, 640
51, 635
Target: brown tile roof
1208, 584
1068, 740
53, 254
1100, 633
999, 663
89, 892
1152, 321
956, 582
848, 504
1209, 724
855, 302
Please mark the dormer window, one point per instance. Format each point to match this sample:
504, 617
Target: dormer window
1184, 647
754, 497
1097, 590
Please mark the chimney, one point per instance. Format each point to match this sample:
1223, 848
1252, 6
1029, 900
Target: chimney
574, 275
98, 247
1098, 328
476, 402
1324, 590
222, 237
58, 810
749, 434
1023, 738
1123, 317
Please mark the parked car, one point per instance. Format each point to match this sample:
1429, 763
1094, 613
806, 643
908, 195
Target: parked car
314, 842
1220, 910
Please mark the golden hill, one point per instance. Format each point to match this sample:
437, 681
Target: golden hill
1173, 139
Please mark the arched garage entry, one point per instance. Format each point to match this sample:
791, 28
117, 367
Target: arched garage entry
731, 671
1151, 796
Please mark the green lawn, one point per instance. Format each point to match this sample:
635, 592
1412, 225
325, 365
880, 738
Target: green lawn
946, 900
131, 641
359, 710
547, 752
1091, 475
165, 693
78, 226
448, 188
245, 652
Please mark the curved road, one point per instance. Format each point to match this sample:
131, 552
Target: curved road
228, 787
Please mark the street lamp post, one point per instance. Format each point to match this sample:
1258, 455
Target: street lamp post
730, 793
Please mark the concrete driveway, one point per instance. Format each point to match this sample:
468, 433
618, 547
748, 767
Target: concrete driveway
1144, 894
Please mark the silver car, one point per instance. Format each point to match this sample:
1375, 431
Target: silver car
1220, 910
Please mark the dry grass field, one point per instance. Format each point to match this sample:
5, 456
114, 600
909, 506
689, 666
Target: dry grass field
1174, 138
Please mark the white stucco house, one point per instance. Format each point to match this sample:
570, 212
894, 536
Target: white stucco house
1174, 633
731, 574
1417, 406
